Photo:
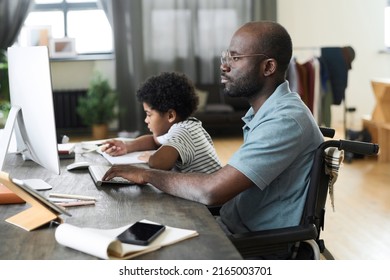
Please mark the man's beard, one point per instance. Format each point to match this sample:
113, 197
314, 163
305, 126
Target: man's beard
243, 87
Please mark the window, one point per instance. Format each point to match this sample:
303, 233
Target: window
170, 44
190, 39
174, 36
387, 25
211, 20
83, 22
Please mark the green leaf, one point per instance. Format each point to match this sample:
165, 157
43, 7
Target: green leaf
99, 104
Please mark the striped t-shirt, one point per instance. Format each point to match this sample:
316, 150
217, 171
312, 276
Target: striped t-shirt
194, 145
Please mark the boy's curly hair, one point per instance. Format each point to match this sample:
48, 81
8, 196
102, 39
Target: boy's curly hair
169, 90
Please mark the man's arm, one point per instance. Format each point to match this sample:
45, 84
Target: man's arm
210, 189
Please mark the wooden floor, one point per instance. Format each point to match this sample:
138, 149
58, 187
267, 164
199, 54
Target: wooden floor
359, 229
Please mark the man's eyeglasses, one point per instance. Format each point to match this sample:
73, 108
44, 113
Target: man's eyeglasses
228, 59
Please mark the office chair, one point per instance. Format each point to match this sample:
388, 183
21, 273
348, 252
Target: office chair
305, 237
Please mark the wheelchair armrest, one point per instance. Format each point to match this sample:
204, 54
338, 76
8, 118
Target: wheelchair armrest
327, 131
289, 234
265, 242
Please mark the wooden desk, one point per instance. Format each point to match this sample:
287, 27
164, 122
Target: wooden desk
381, 88
115, 207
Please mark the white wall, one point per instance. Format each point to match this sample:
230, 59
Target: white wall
78, 74
357, 23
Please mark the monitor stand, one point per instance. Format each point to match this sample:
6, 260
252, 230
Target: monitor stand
6, 136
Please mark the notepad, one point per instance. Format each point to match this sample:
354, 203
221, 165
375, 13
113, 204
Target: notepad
103, 244
129, 158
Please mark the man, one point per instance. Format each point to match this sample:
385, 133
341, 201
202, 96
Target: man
264, 184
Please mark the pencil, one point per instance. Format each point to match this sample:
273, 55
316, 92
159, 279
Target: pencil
81, 197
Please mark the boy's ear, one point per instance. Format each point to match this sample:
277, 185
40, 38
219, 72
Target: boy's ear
172, 115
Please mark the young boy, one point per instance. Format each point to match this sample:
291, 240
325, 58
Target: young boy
182, 144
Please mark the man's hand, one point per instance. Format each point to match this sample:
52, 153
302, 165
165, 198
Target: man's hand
129, 172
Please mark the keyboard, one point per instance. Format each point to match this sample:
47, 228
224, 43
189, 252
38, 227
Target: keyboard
97, 172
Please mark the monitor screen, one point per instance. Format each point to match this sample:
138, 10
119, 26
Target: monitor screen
32, 111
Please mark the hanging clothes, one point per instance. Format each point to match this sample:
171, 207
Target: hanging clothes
338, 61
321, 80
326, 95
304, 79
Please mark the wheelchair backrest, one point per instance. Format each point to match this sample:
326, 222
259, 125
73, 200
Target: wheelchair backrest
314, 212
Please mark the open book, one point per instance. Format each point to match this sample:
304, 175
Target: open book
102, 243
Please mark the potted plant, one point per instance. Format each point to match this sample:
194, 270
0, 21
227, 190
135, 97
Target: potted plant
97, 107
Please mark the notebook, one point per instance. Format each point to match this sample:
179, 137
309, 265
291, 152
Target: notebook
129, 158
97, 172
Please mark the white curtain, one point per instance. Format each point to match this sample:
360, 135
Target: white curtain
12, 15
151, 36
188, 36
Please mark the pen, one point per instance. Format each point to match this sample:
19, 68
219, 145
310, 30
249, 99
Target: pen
76, 203
95, 148
81, 197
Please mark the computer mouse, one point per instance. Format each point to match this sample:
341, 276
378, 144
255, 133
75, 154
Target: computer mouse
79, 165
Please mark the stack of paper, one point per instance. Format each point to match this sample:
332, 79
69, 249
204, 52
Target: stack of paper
66, 148
66, 151
102, 243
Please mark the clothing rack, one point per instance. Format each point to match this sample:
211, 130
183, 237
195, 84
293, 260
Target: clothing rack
309, 51
306, 48
316, 52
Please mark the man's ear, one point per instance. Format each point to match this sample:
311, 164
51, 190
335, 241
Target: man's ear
172, 115
270, 66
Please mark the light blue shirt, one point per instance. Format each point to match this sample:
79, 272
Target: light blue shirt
277, 154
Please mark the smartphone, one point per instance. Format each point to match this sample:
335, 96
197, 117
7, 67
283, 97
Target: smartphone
141, 233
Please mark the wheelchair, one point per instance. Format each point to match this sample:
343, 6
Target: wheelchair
303, 242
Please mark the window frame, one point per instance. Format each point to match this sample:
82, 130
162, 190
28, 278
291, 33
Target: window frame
65, 7
386, 39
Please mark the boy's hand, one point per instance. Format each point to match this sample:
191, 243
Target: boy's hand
145, 156
114, 147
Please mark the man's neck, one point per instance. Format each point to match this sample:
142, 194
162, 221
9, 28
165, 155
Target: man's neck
258, 100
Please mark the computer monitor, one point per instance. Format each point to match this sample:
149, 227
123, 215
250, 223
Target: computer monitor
32, 111
31, 119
